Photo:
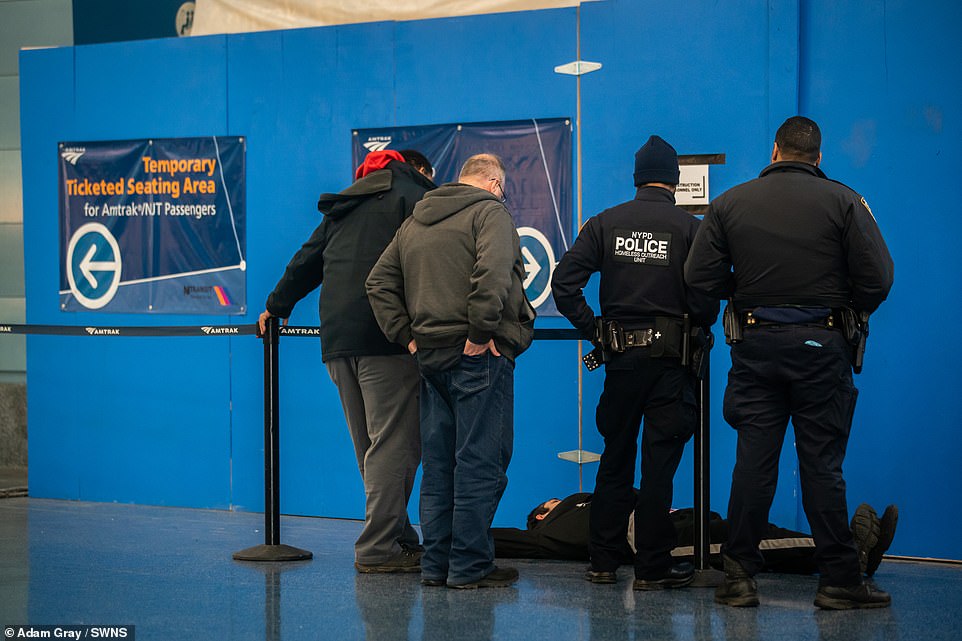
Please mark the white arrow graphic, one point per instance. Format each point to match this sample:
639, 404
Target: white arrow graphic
85, 268
531, 266
88, 266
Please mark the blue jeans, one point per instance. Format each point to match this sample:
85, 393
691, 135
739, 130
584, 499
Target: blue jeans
467, 432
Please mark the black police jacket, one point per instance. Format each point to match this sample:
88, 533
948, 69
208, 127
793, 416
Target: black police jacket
639, 247
791, 237
358, 224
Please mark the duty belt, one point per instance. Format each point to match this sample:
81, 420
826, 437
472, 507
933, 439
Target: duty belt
829, 322
664, 334
617, 339
853, 326
667, 337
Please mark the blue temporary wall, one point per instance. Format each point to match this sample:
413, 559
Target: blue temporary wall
178, 421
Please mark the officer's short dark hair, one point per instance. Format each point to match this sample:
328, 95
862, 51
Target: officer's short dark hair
799, 138
540, 509
418, 160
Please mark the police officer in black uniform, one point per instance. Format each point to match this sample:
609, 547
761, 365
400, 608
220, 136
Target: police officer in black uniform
803, 262
639, 247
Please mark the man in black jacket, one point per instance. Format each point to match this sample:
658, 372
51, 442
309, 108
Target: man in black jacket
802, 259
377, 380
639, 247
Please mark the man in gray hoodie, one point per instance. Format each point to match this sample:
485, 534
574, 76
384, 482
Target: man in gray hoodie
449, 288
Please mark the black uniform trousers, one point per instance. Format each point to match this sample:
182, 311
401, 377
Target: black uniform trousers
661, 392
804, 373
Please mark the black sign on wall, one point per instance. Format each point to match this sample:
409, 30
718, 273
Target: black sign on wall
117, 20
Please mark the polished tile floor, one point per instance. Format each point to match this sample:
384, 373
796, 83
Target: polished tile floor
169, 572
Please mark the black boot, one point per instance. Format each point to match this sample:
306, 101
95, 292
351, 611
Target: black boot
855, 597
739, 589
866, 528
677, 576
890, 519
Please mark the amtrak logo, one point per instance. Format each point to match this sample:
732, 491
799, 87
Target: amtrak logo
377, 143
6, 329
300, 331
102, 331
73, 154
220, 330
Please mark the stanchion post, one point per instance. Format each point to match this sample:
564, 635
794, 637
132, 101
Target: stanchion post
702, 540
705, 575
272, 549
272, 490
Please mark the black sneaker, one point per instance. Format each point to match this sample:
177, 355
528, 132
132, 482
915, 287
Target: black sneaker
865, 527
403, 561
601, 576
864, 595
498, 578
433, 583
739, 588
678, 576
890, 519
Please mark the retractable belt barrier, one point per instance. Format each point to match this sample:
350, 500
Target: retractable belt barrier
208, 330
272, 549
100, 330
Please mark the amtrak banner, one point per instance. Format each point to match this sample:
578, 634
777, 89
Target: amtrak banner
537, 155
153, 226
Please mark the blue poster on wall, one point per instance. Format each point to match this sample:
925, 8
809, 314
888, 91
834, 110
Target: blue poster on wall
153, 226
537, 156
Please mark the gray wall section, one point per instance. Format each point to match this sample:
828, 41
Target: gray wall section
11, 187
13, 425
32, 23
13, 362
23, 23
9, 111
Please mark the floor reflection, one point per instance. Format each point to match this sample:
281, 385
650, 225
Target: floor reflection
169, 572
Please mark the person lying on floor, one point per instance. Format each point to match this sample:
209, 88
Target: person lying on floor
558, 529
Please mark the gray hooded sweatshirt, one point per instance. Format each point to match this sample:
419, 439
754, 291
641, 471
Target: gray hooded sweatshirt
454, 272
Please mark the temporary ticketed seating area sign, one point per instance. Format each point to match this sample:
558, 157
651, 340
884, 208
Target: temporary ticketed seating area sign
153, 226
537, 157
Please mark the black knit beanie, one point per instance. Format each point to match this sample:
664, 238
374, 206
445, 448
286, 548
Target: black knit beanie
656, 162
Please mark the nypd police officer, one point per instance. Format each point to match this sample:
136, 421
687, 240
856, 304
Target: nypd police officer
802, 260
639, 248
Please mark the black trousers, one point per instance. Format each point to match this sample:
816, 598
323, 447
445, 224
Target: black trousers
804, 374
660, 393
